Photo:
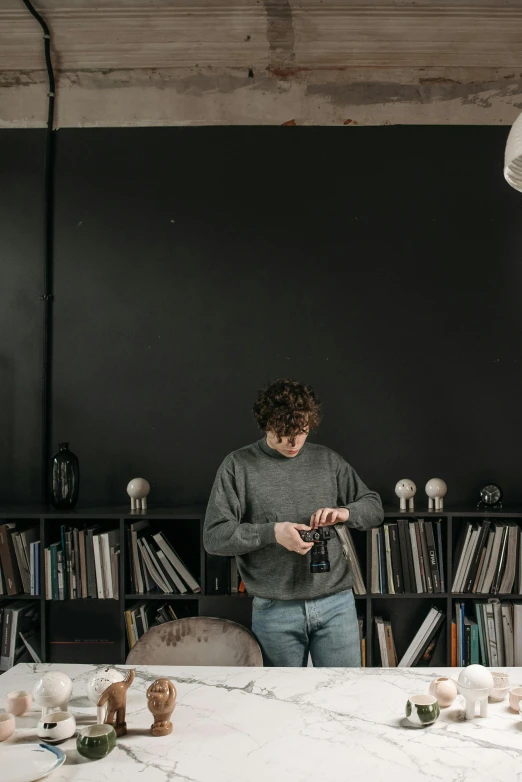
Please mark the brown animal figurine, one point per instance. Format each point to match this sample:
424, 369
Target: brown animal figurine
115, 696
161, 700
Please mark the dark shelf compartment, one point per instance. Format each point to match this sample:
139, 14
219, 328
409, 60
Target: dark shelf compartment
411, 596
162, 596
20, 597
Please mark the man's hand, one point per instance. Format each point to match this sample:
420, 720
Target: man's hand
287, 535
324, 517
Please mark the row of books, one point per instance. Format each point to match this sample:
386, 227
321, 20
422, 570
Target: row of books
83, 563
485, 559
488, 632
19, 560
140, 617
422, 647
19, 633
154, 564
407, 557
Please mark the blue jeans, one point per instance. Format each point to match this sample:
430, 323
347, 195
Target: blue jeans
327, 627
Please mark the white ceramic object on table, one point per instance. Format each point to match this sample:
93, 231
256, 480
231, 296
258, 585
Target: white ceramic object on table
53, 691
7, 726
515, 697
405, 490
444, 689
29, 762
436, 489
98, 683
18, 702
55, 727
475, 683
500, 686
422, 710
138, 490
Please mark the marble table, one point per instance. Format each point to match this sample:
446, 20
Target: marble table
291, 724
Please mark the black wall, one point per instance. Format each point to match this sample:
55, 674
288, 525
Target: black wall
193, 265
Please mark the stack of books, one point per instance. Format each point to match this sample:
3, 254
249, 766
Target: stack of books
19, 560
485, 559
487, 632
154, 564
83, 563
421, 649
407, 557
19, 633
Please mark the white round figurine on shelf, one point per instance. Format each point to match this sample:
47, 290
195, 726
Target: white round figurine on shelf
405, 490
436, 490
138, 490
475, 683
53, 691
98, 683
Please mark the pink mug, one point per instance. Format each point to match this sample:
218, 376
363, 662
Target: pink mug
7, 726
18, 702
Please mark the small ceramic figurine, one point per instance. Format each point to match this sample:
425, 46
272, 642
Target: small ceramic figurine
444, 689
53, 691
422, 710
98, 683
161, 700
436, 490
115, 696
475, 683
138, 490
405, 490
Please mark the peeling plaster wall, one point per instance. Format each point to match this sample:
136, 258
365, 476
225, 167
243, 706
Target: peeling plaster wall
259, 62
206, 97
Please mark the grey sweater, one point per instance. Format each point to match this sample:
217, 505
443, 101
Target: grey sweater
255, 487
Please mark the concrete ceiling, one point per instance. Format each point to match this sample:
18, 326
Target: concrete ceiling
161, 62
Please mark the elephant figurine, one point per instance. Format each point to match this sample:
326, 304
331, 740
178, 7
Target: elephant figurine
161, 700
115, 696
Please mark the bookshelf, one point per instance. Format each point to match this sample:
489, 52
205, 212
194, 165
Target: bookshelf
100, 624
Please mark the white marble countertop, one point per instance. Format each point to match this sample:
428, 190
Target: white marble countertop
291, 724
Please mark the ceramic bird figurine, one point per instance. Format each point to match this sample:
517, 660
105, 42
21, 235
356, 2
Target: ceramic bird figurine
115, 696
161, 700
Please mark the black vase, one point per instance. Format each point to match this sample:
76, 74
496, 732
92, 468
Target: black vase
65, 478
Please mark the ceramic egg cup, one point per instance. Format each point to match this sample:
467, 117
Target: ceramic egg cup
18, 702
96, 741
515, 697
422, 710
7, 726
56, 727
501, 686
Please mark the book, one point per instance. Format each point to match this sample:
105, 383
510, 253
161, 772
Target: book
487, 559
475, 558
432, 556
390, 645
8, 558
176, 561
406, 556
421, 638
33, 644
420, 552
438, 527
396, 559
415, 558
379, 624
458, 556
425, 556
217, 574
508, 578
501, 562
389, 569
353, 560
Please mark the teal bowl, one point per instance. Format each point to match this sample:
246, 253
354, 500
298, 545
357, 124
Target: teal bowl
96, 741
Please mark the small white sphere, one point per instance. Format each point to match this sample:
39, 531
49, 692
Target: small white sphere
52, 690
475, 677
405, 488
138, 488
100, 680
436, 487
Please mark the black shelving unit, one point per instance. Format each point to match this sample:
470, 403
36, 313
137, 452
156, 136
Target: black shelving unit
100, 624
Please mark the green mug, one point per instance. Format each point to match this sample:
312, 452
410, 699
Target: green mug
96, 741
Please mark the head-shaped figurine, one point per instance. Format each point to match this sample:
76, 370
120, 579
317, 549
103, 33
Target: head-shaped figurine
436, 487
405, 488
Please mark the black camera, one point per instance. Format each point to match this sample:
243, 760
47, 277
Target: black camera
319, 562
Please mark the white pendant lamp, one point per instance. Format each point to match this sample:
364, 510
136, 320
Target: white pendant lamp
513, 155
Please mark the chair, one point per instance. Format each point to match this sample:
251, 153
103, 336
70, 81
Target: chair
197, 640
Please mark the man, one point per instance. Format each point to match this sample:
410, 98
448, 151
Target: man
262, 495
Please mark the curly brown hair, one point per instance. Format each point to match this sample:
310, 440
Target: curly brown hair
287, 408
